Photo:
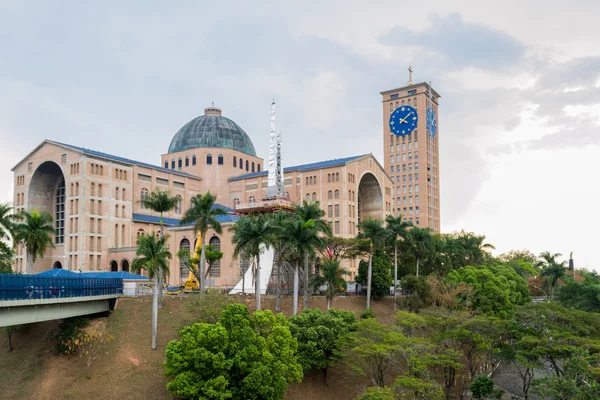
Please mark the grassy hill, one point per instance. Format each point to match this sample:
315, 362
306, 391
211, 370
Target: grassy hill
130, 369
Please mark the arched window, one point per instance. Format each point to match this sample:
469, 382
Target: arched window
178, 205
143, 196
252, 166
184, 270
397, 104
247, 166
187, 161
173, 164
241, 163
415, 102
306, 181
258, 167
314, 196
180, 163
194, 159
328, 177
140, 232
310, 180
234, 162
209, 159
236, 202
391, 106
117, 193
114, 267
215, 268
337, 176
92, 189
408, 102
220, 159
125, 265
123, 194
167, 164
99, 190
307, 197
122, 235
116, 242
337, 194
252, 200
77, 189
329, 195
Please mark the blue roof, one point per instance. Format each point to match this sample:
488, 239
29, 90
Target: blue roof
114, 274
124, 160
304, 167
59, 272
154, 219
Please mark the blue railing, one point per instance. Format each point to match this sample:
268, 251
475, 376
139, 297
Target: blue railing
28, 287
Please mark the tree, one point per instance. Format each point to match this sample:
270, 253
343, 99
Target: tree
497, 290
381, 277
332, 277
35, 233
302, 236
583, 296
160, 201
191, 262
418, 292
378, 393
372, 231
421, 243
319, 335
7, 233
397, 229
374, 349
212, 256
250, 234
554, 273
9, 332
152, 257
203, 214
240, 357
482, 387
475, 249
92, 345
312, 212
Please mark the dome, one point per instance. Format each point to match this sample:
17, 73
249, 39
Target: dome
212, 130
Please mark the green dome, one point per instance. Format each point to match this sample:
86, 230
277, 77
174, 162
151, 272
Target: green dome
212, 130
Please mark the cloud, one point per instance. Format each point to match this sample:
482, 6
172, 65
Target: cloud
460, 43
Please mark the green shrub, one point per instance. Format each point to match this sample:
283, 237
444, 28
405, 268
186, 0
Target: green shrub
418, 292
70, 333
368, 313
381, 277
377, 393
482, 387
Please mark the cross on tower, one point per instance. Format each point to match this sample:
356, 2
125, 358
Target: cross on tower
410, 75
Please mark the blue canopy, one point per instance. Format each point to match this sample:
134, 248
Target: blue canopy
127, 276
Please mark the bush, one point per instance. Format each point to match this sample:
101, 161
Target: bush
70, 333
418, 292
482, 387
377, 393
239, 357
368, 313
381, 278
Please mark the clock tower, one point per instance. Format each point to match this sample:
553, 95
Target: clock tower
411, 153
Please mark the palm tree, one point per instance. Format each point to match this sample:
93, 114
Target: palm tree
35, 233
306, 212
152, 257
301, 236
397, 228
332, 277
371, 230
202, 214
281, 247
160, 202
421, 243
249, 235
552, 269
476, 251
7, 223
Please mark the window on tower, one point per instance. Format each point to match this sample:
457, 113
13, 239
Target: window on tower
209, 159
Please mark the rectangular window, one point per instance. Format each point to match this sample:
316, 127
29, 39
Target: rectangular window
91, 266
403, 178
392, 169
337, 210
337, 226
91, 243
416, 166
410, 155
410, 210
397, 157
417, 176
417, 188
404, 189
417, 209
330, 211
30, 167
410, 177
416, 155
162, 181
412, 92
92, 207
394, 96
98, 259
99, 207
99, 246
416, 145
92, 223
403, 146
391, 159
143, 177
403, 167
409, 188
417, 198
404, 200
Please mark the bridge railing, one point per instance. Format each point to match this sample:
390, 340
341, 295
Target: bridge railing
29, 287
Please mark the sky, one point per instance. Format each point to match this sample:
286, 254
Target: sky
519, 123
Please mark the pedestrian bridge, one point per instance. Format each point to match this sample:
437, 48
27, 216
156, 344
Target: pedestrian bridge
25, 299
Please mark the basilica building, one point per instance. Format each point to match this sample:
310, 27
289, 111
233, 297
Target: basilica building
94, 197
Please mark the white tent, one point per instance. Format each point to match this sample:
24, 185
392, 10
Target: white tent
266, 268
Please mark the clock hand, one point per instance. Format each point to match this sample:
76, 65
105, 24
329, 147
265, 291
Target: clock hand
404, 120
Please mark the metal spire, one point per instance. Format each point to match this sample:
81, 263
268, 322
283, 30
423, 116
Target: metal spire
274, 159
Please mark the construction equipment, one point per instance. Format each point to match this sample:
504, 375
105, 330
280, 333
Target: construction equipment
192, 283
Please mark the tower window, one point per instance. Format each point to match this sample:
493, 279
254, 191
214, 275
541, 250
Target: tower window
220, 159
59, 214
241, 163
166, 164
258, 167
247, 166
187, 161
252, 166
209, 159
179, 163
173, 164
234, 162
194, 159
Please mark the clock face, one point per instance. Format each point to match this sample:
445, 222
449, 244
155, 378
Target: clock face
431, 122
403, 120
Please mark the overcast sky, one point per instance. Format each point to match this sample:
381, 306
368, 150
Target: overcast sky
520, 84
